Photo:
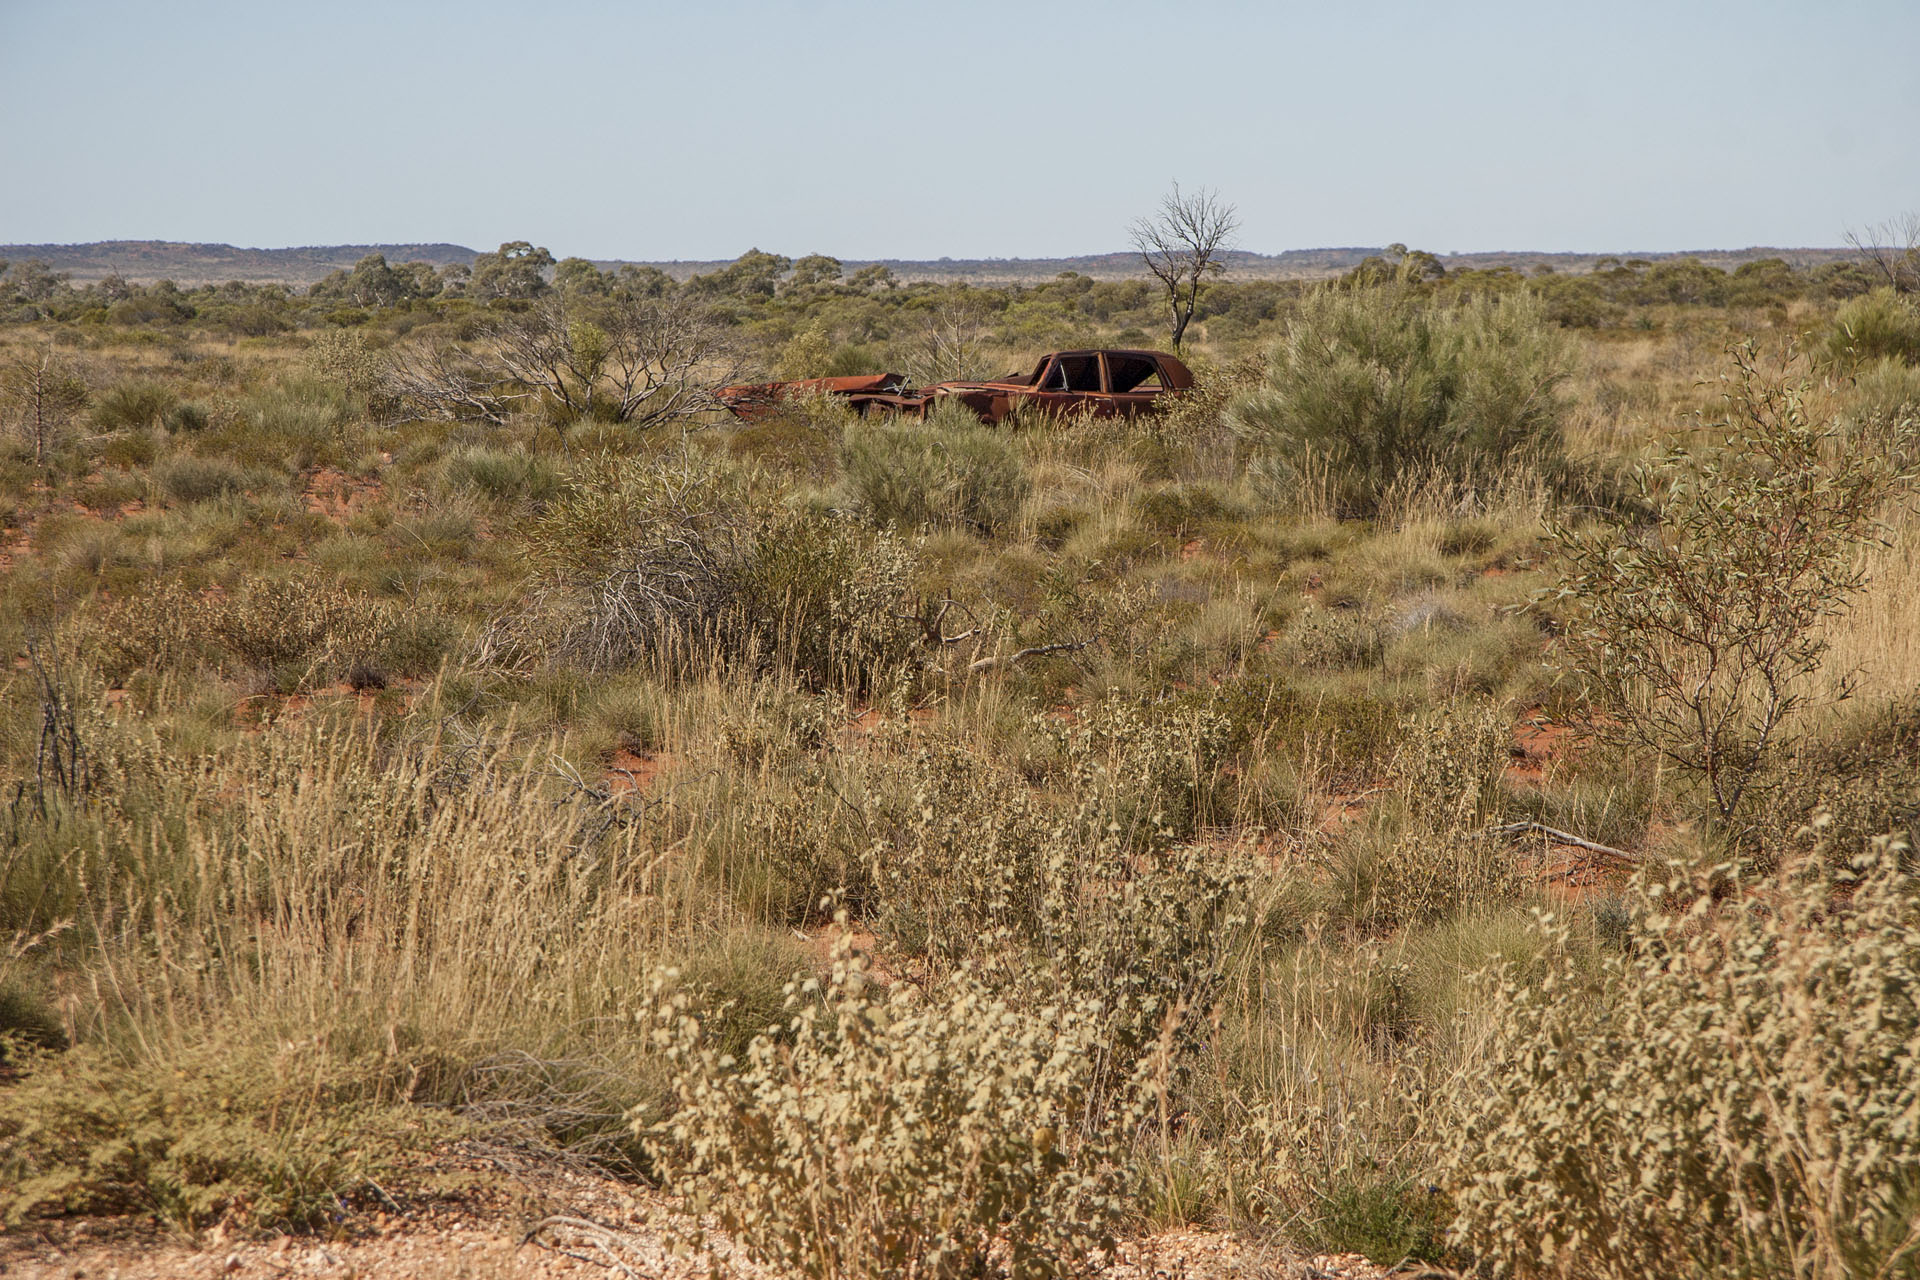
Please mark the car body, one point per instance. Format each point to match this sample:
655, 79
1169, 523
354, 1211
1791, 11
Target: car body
1103, 383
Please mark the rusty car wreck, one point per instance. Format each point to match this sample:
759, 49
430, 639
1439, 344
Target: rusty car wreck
1099, 383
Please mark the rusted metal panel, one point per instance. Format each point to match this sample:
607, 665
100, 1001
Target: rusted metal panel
760, 399
1103, 383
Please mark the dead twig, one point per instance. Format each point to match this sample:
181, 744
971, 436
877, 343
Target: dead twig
603, 1238
1562, 837
1032, 651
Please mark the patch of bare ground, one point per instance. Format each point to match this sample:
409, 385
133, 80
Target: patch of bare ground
336, 495
1537, 743
482, 1215
869, 720
636, 771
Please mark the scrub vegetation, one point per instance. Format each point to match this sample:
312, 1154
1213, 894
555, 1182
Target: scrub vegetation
1440, 790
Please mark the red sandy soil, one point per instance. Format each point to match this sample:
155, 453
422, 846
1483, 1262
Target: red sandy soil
631, 771
869, 719
493, 1215
1537, 743
333, 493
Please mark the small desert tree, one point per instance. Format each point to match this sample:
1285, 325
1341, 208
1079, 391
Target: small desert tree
1181, 245
516, 270
41, 391
1892, 249
1699, 639
638, 360
1370, 386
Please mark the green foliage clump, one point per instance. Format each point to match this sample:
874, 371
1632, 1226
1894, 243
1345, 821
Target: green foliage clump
133, 406
1700, 641
305, 630
1734, 1095
503, 475
822, 596
882, 1133
948, 469
1373, 385
668, 561
269, 1143
1881, 325
185, 477
311, 411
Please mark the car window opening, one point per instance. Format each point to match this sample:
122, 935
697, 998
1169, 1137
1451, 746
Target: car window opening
1133, 373
1075, 373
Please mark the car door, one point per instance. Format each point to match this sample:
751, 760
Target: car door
1072, 381
1133, 382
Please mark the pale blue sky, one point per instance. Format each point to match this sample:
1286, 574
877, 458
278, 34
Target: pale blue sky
696, 130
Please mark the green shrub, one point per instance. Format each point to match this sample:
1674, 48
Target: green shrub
1699, 642
948, 469
305, 622
882, 1134
187, 418
1733, 1096
218, 1138
1372, 385
133, 406
309, 629
671, 561
1881, 325
503, 475
308, 410
826, 599
1180, 510
186, 478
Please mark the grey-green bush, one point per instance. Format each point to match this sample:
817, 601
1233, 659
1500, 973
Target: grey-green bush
502, 474
1876, 326
185, 478
133, 406
880, 1133
1735, 1096
947, 469
1370, 385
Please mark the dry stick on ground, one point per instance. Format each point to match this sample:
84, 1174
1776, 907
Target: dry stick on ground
1562, 837
1034, 651
601, 1237
933, 623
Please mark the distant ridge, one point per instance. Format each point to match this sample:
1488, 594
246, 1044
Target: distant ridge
196, 264
184, 263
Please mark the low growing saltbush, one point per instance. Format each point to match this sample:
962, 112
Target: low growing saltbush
885, 1133
1371, 385
1733, 1096
947, 469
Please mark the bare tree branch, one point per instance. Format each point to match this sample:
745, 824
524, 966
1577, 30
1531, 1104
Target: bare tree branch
665, 359
1180, 246
448, 382
647, 360
1893, 249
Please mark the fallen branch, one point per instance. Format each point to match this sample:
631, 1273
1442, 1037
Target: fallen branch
1035, 651
601, 1237
1562, 837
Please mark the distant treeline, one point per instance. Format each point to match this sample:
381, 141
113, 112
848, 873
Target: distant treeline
781, 294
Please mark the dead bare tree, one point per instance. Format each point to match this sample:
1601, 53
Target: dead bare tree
1893, 249
665, 359
547, 353
448, 382
43, 391
1181, 245
643, 361
950, 342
